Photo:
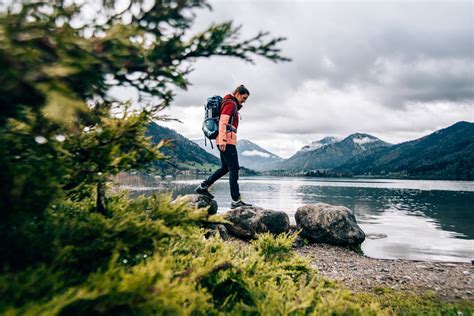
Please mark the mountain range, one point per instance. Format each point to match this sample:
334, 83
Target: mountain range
183, 153
329, 152
250, 155
445, 154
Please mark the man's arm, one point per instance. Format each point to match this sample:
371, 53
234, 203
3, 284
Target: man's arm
228, 108
221, 138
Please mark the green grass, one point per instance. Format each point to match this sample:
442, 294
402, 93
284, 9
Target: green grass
149, 257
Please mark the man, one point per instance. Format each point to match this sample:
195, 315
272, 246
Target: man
226, 143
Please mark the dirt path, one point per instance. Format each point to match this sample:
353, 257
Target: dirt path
449, 281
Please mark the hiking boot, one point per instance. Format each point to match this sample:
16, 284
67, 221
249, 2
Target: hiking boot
203, 191
238, 203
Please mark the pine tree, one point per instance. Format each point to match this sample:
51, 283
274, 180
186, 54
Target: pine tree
60, 131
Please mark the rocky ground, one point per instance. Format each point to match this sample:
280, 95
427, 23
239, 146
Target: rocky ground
449, 281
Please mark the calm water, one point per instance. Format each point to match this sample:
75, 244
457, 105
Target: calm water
423, 220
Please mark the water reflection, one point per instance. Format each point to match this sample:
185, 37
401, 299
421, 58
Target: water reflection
423, 220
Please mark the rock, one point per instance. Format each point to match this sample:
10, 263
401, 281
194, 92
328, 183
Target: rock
218, 229
247, 221
324, 223
293, 228
299, 242
199, 201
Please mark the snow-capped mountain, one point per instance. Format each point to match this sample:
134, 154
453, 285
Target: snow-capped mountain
250, 154
445, 154
333, 154
207, 146
319, 143
255, 157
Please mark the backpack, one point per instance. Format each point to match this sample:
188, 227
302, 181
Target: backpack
210, 126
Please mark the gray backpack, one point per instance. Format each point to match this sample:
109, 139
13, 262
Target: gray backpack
210, 126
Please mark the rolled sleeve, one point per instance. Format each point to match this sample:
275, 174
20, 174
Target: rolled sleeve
223, 121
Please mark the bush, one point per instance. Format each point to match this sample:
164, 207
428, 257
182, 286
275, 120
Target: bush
150, 257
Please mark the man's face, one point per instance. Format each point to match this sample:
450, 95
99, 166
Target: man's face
242, 97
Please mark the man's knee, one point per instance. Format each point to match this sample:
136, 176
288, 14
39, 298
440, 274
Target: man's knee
234, 168
234, 171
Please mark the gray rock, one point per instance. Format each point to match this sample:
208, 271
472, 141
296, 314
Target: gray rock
324, 223
198, 201
247, 222
299, 242
218, 229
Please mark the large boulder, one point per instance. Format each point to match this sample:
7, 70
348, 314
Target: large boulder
249, 221
198, 201
324, 223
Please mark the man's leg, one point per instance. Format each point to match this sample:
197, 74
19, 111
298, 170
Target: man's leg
232, 161
219, 173
202, 188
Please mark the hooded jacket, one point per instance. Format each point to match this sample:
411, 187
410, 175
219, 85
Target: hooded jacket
230, 107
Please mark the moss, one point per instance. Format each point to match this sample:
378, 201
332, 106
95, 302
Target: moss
357, 249
408, 303
150, 257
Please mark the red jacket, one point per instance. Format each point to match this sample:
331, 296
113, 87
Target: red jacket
229, 108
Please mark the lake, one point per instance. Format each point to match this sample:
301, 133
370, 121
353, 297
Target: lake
422, 219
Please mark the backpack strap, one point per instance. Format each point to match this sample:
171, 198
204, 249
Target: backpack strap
230, 127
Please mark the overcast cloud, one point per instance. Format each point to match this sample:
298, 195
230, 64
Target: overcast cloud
395, 69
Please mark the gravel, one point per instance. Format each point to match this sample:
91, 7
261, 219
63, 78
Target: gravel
449, 281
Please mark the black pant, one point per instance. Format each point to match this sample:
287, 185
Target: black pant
230, 163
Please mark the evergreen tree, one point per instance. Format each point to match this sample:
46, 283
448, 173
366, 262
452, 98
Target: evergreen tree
60, 131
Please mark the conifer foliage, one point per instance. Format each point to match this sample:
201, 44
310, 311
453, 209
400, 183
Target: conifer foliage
60, 130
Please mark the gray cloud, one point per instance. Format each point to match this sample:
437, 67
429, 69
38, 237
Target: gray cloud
399, 68
343, 43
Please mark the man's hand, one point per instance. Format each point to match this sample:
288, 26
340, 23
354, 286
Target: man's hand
222, 147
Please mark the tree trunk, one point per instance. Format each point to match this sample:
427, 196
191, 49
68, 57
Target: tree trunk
101, 198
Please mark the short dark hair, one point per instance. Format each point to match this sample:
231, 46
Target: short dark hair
242, 90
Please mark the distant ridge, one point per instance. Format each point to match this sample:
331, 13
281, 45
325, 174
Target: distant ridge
332, 154
319, 143
445, 154
255, 157
184, 154
251, 155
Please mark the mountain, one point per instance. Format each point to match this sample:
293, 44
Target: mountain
207, 146
250, 154
445, 154
332, 154
255, 157
184, 154
319, 143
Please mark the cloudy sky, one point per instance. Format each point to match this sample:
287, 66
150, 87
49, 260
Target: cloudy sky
395, 69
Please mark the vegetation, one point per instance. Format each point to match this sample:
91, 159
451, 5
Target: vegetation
70, 248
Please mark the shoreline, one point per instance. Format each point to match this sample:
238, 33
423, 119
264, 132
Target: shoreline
447, 281
450, 281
